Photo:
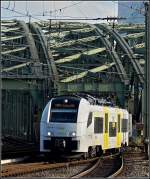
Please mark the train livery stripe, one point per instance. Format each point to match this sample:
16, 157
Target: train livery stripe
105, 134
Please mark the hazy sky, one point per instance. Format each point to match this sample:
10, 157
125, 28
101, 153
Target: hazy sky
64, 9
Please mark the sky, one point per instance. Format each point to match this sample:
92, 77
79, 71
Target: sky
42, 10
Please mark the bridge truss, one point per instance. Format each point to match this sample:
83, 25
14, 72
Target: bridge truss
45, 58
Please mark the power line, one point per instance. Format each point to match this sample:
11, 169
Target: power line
14, 6
131, 8
27, 12
43, 8
31, 16
27, 15
95, 19
8, 5
65, 7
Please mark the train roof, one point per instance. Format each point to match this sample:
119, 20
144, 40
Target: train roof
92, 100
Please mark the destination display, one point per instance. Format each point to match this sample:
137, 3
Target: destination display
64, 106
69, 103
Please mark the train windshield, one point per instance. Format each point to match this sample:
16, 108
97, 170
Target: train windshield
64, 109
64, 116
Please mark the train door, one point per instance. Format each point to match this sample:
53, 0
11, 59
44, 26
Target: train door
89, 130
105, 134
98, 128
125, 130
118, 130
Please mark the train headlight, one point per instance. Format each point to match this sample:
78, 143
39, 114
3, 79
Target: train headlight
73, 134
49, 133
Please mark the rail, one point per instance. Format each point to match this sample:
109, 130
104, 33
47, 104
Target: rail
99, 165
20, 169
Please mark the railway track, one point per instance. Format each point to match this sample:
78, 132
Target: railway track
109, 166
103, 166
21, 169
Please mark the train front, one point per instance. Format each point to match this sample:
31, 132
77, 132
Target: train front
62, 125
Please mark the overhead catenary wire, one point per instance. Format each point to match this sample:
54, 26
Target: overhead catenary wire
57, 10
131, 8
81, 11
97, 18
43, 8
63, 17
8, 5
65, 7
18, 12
27, 11
14, 5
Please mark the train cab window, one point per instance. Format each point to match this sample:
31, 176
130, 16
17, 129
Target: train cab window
89, 120
98, 125
124, 125
64, 116
106, 122
112, 129
118, 122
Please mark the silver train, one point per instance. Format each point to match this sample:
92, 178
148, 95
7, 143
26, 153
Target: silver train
76, 124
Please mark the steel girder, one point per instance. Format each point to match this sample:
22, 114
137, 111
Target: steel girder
29, 47
30, 41
33, 59
113, 54
33, 50
46, 53
126, 48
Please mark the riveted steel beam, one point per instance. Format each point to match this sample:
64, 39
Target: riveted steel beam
30, 41
134, 35
126, 48
46, 52
8, 24
15, 84
93, 87
83, 74
32, 47
78, 55
15, 67
3, 39
13, 50
64, 33
129, 28
10, 29
72, 42
113, 54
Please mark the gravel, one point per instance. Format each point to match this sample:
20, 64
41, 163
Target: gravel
133, 167
60, 172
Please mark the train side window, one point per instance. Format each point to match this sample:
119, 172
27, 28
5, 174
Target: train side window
118, 122
89, 119
106, 122
98, 125
124, 125
112, 129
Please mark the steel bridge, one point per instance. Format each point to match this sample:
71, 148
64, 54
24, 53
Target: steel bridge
43, 59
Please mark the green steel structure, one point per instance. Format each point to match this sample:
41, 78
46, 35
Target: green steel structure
48, 58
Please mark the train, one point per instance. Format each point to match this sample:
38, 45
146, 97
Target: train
83, 124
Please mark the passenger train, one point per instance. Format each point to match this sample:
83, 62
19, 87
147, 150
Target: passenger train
82, 124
